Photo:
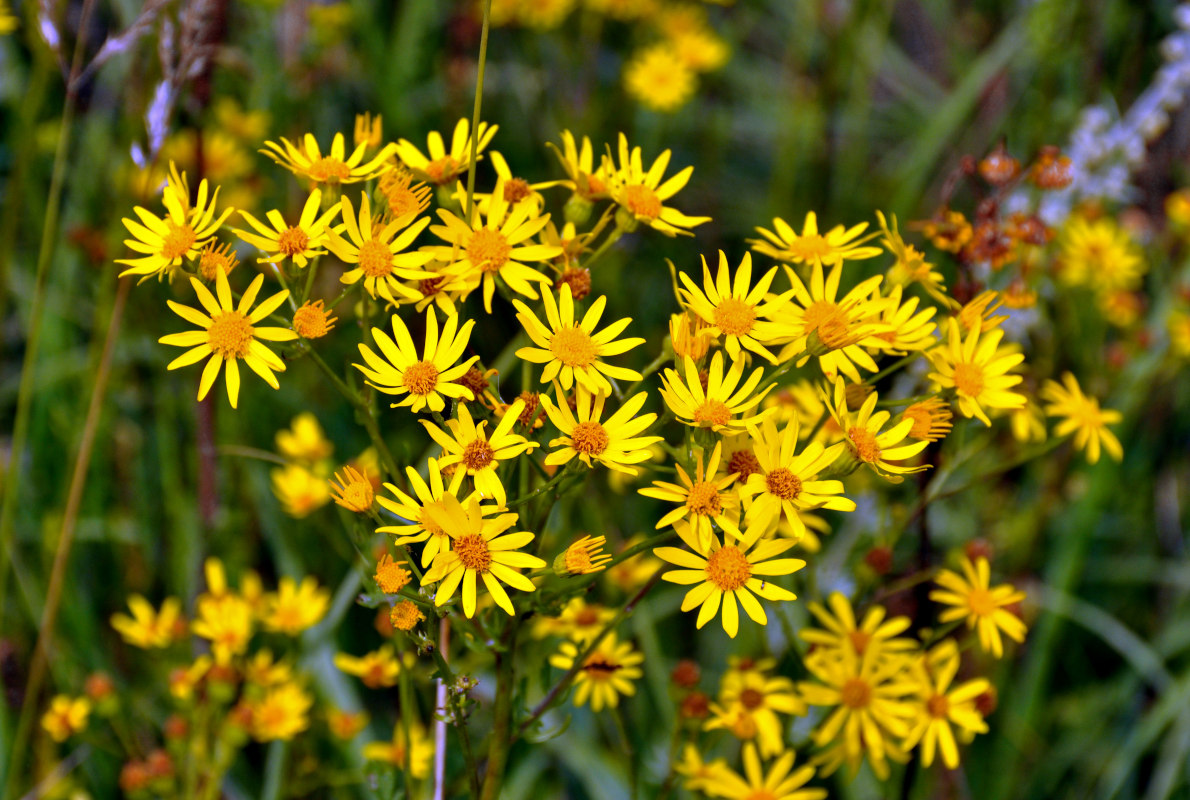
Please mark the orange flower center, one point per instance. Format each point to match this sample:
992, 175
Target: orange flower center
735, 317
642, 201
178, 241
429, 286
751, 699
441, 170
760, 794
589, 615
809, 248
517, 190
818, 313
478, 455
488, 250
744, 463
783, 483
595, 185
312, 320
938, 706
293, 241
704, 499
375, 259
864, 445
599, 667
980, 602
473, 552
404, 615
590, 438
421, 378
968, 379
329, 170
573, 346
230, 334
216, 259
856, 693
728, 569
712, 412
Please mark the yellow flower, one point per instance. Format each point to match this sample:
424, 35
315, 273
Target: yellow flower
304, 440
480, 548
573, 351
225, 620
939, 706
689, 336
1083, 418
410, 749
749, 702
479, 250
1178, 326
868, 694
281, 713
66, 717
728, 573
469, 446
424, 380
295, 607
973, 600
402, 196
229, 335
699, 774
642, 195
369, 130
184, 680
781, 783
659, 78
334, 168
516, 190
405, 615
905, 329
605, 674
391, 576
263, 670
8, 22
420, 527
148, 628
787, 482
835, 329
300, 491
583, 557
585, 179
977, 369
352, 490
300, 242
702, 500
379, 257
874, 635
184, 232
312, 320
442, 167
738, 312
1099, 254
1028, 423
214, 257
978, 311
811, 247
931, 419
377, 669
867, 443
615, 443
346, 724
911, 265
579, 621
719, 406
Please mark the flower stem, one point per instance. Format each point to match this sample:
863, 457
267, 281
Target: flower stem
483, 58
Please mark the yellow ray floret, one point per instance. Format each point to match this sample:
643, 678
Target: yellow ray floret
614, 442
478, 453
441, 167
1083, 418
973, 599
183, 233
977, 369
720, 406
642, 195
411, 509
378, 253
334, 168
230, 334
279, 240
702, 500
810, 246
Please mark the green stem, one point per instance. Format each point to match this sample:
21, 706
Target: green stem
483, 58
274, 770
654, 365
611, 239
365, 413
502, 733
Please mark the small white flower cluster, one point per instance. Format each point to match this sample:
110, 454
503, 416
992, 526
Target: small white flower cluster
1105, 153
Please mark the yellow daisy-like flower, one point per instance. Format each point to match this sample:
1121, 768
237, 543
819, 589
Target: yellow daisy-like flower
280, 714
615, 443
1027, 423
369, 130
585, 179
516, 190
579, 621
295, 607
728, 573
840, 631
225, 620
380, 259
738, 312
391, 576
336, 167
66, 717
642, 195
702, 500
412, 509
352, 490
230, 334
977, 370
468, 445
279, 240
689, 336
978, 311
584, 557
313, 320
410, 749
479, 549
183, 233
931, 419
148, 628
904, 328
836, 330
869, 695
659, 78
300, 491
481, 250
405, 615
304, 440
425, 380
442, 167
749, 702
1099, 254
982, 606
782, 782
1083, 418
865, 439
573, 351
605, 675
787, 481
720, 406
402, 196
377, 670
911, 265
811, 247
939, 706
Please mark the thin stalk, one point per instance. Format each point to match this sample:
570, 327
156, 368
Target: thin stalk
611, 239
483, 58
441, 652
502, 733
